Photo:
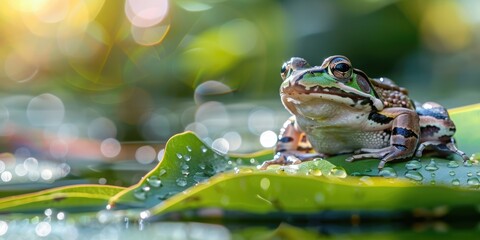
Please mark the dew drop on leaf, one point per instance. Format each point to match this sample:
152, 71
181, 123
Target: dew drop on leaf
432, 166
453, 164
315, 172
387, 172
414, 175
188, 158
469, 174
146, 188
474, 181
140, 194
455, 182
338, 172
451, 173
182, 182
179, 156
413, 165
162, 172
189, 149
154, 181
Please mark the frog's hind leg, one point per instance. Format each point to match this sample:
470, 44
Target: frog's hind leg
441, 146
292, 146
437, 130
403, 139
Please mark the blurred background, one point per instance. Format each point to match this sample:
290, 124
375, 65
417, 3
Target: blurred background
85, 79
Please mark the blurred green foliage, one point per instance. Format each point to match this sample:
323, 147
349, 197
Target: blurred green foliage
133, 61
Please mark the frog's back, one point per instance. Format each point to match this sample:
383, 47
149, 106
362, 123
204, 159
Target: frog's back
391, 94
435, 123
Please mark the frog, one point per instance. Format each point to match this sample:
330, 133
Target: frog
337, 109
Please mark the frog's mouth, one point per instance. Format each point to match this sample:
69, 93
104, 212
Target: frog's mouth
298, 94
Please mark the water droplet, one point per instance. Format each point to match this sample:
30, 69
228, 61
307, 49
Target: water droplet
453, 164
154, 181
179, 156
469, 174
451, 173
413, 165
185, 172
146, 188
140, 194
433, 182
468, 163
433, 174
182, 182
204, 149
387, 172
414, 175
265, 183
185, 166
315, 172
455, 182
474, 181
252, 161
478, 173
162, 172
189, 148
338, 172
199, 177
202, 166
431, 166
188, 158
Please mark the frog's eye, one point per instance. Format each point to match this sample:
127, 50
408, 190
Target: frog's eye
340, 68
285, 71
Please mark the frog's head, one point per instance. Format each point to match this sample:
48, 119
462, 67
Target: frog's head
335, 82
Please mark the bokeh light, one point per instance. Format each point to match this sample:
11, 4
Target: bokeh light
145, 154
102, 128
268, 139
146, 13
221, 145
45, 110
110, 147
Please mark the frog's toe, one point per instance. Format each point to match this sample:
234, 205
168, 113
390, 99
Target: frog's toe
281, 160
362, 156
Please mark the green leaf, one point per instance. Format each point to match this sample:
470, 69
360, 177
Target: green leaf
305, 188
72, 198
187, 161
467, 122
267, 192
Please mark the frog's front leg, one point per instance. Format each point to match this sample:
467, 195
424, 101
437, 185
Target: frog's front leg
404, 136
292, 146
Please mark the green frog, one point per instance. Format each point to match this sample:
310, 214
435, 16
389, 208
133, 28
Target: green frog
338, 109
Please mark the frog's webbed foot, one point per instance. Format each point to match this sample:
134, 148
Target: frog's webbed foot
290, 159
446, 147
385, 155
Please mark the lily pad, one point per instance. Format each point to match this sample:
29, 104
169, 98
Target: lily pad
218, 181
